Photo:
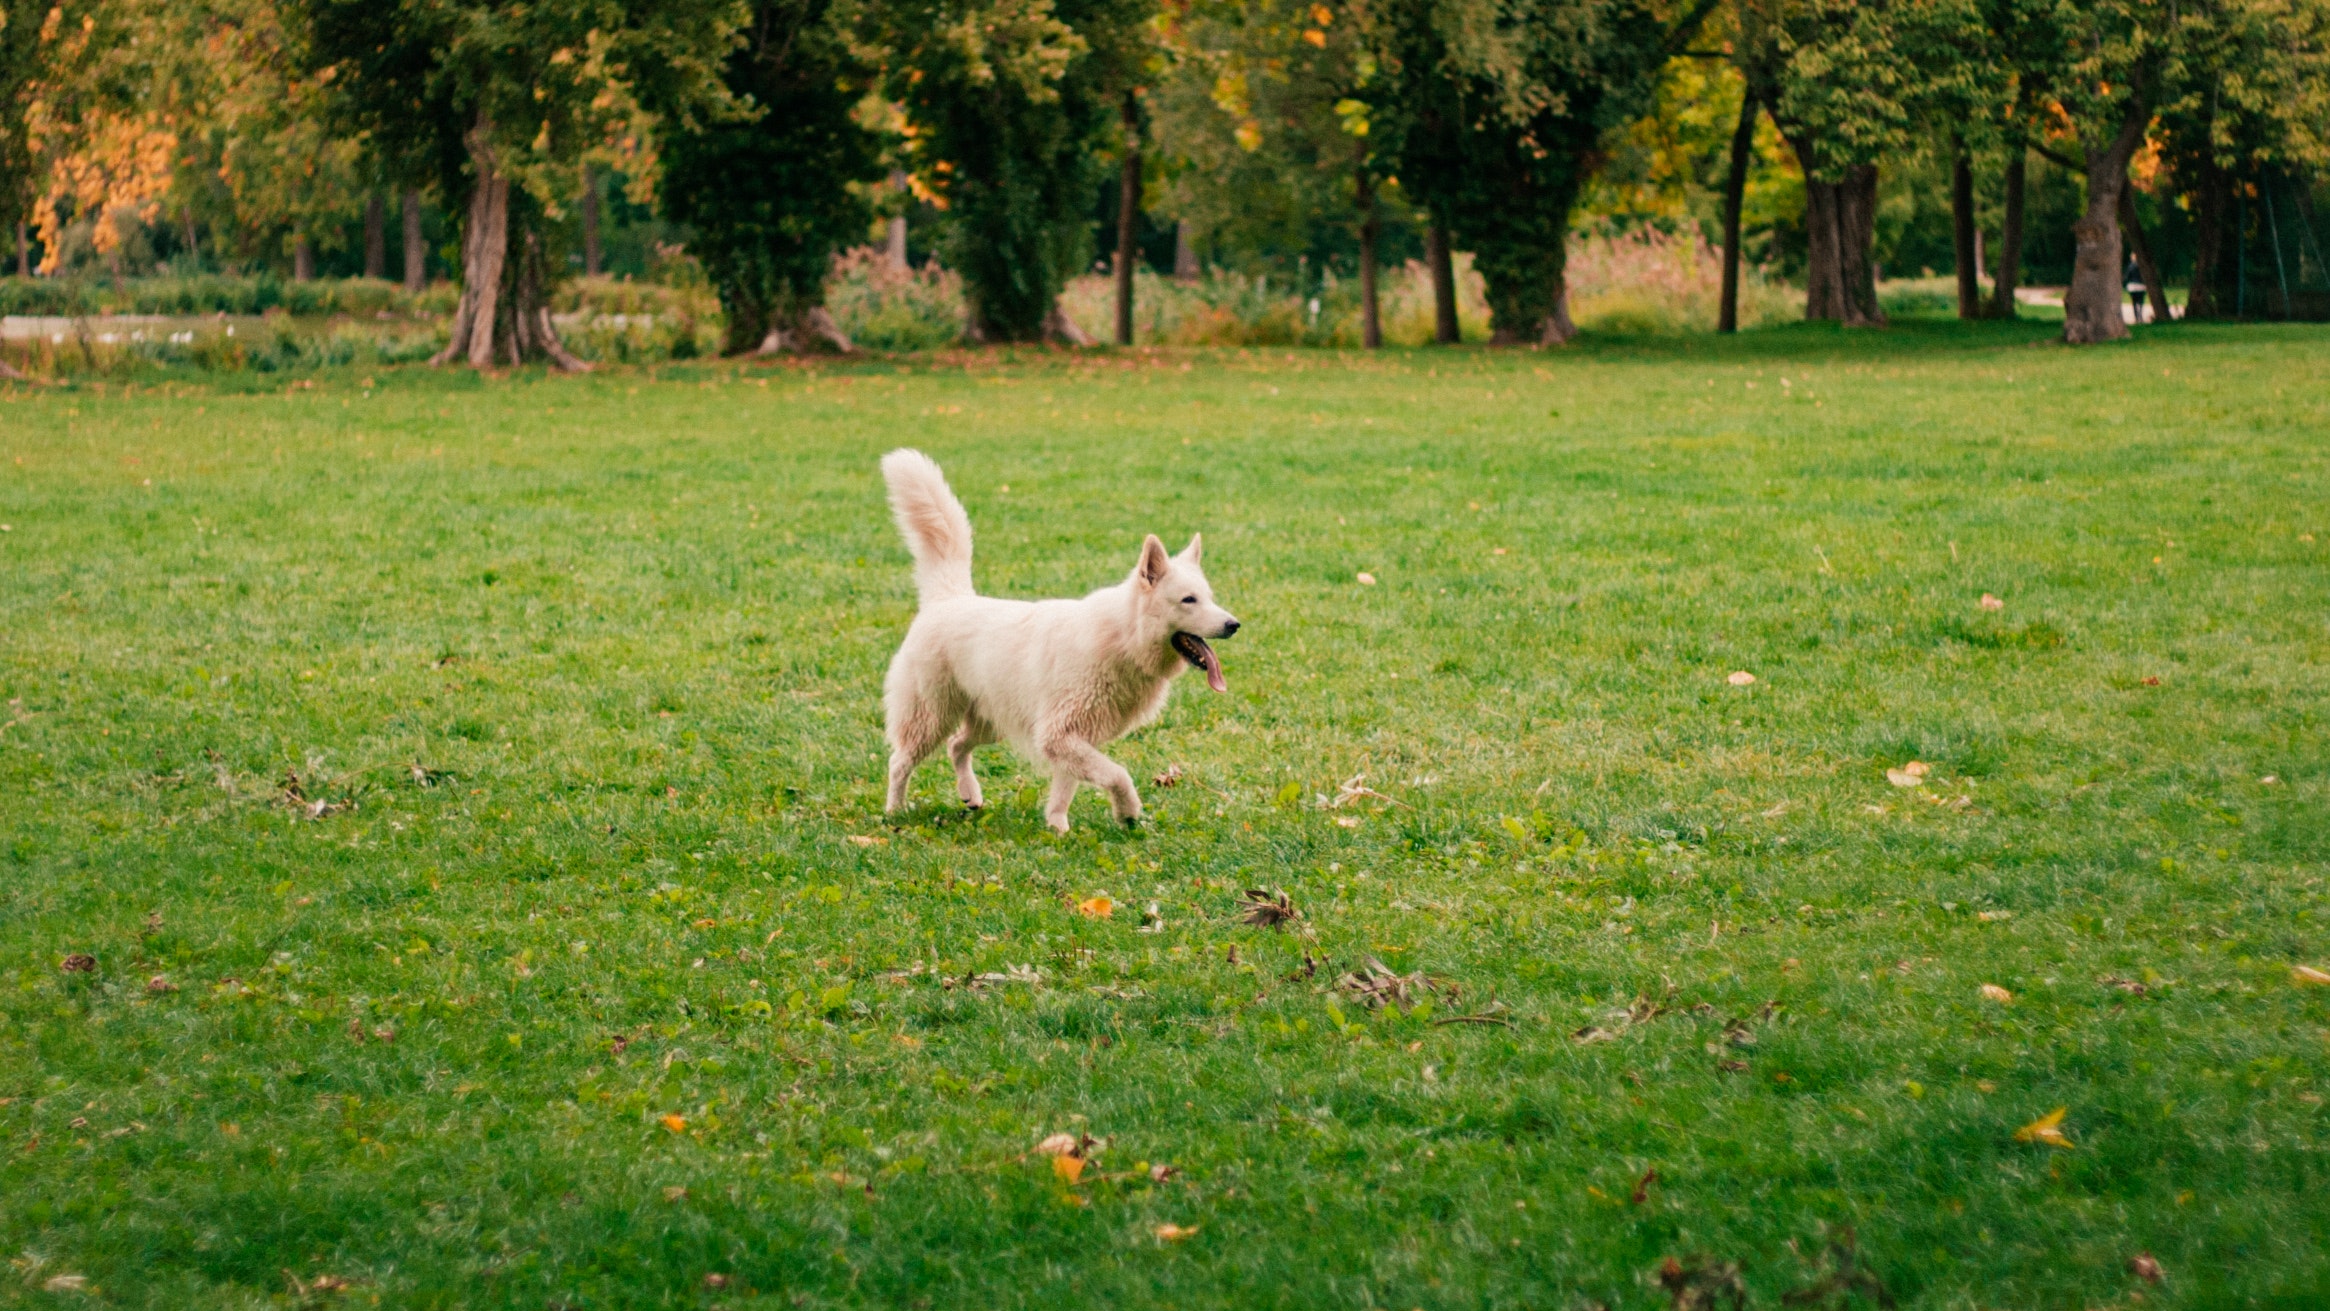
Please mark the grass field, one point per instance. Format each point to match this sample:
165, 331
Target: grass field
441, 859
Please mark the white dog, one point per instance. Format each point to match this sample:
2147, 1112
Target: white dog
1055, 679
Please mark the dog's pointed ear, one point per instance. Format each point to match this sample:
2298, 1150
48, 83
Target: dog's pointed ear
1153, 563
1195, 551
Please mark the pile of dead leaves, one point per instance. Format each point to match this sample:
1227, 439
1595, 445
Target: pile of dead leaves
1267, 910
1375, 985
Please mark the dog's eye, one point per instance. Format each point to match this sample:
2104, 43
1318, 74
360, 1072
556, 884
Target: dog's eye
1189, 600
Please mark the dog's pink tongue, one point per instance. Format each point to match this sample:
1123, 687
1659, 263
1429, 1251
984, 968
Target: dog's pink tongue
1213, 671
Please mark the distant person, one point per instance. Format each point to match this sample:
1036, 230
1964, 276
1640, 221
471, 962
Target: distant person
2133, 279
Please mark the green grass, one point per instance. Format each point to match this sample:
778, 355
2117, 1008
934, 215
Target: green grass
630, 630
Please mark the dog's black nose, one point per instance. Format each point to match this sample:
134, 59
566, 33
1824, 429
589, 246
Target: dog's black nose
1229, 626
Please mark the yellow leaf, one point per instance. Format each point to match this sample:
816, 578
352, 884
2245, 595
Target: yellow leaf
675, 1123
1910, 775
1099, 907
1992, 992
1173, 1233
2046, 1129
1069, 1166
2307, 974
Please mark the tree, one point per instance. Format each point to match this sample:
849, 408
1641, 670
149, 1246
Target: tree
1012, 104
500, 102
2253, 97
769, 191
1497, 107
1271, 103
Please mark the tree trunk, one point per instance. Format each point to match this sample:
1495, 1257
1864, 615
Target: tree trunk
1184, 253
24, 250
193, 248
2091, 308
375, 236
1856, 221
531, 333
2133, 229
416, 259
1059, 327
592, 263
1370, 307
2010, 238
303, 260
484, 242
1443, 269
895, 247
1965, 243
1128, 220
1743, 139
2213, 189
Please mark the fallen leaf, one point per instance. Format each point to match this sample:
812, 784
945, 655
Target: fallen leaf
2152, 680
1161, 1172
715, 1282
2143, 1266
1910, 775
675, 1123
865, 841
705, 924
1739, 678
1152, 920
1994, 916
1099, 908
80, 962
675, 1193
1173, 1233
1703, 1284
1059, 1144
1069, 1166
2309, 976
1263, 910
2046, 1129
1171, 777
158, 984
1592, 1033
1366, 579
1992, 992
1989, 602
1642, 1187
66, 1283
2128, 986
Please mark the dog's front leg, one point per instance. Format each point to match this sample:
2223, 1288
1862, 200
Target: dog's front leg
1075, 759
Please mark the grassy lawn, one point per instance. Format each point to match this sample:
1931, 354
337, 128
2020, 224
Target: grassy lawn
469, 792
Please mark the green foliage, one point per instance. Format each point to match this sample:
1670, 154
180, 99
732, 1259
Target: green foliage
1265, 119
1012, 103
1497, 110
770, 198
210, 293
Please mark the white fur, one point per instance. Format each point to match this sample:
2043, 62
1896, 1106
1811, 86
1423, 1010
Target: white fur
1055, 679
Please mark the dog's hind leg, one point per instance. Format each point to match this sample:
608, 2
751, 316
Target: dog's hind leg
915, 731
971, 736
1073, 759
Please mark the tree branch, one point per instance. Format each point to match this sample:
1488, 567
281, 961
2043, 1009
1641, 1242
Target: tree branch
1688, 28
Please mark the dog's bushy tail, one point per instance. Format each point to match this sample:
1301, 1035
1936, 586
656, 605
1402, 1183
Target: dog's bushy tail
936, 529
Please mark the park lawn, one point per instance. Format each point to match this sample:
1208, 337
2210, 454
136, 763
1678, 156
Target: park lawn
469, 792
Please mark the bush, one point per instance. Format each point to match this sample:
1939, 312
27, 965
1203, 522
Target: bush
887, 309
